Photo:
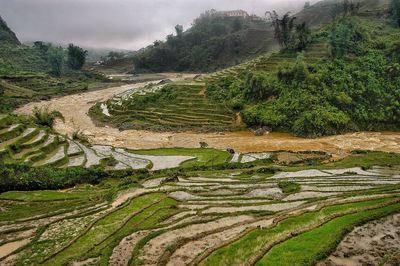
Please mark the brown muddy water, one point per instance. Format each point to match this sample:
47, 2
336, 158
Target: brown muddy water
75, 110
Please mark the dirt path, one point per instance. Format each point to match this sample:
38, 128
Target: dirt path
369, 244
75, 110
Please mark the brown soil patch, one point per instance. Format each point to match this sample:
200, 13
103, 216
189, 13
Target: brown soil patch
188, 252
202, 92
369, 244
153, 250
290, 157
9, 248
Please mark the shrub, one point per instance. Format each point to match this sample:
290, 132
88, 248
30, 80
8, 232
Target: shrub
46, 118
289, 187
79, 136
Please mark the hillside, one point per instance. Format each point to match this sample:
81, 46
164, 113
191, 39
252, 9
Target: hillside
7, 35
28, 73
211, 43
214, 42
345, 80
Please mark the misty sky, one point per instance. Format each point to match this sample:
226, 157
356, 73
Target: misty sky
123, 24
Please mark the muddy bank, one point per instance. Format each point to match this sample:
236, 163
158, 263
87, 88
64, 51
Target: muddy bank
75, 110
369, 244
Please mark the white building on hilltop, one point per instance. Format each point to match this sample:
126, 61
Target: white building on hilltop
233, 14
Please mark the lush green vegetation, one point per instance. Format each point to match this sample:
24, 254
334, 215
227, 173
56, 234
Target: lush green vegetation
76, 57
212, 42
310, 247
257, 239
354, 90
174, 107
45, 117
204, 157
394, 11
25, 177
38, 195
105, 227
289, 187
40, 71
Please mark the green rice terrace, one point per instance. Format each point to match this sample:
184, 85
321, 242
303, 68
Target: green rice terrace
66, 202
167, 107
269, 208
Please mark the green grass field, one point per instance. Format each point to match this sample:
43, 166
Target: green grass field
204, 157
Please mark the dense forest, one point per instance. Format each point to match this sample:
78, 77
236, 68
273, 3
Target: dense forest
212, 42
355, 88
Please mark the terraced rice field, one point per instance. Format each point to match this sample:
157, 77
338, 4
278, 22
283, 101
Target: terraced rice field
40, 147
271, 62
201, 218
187, 109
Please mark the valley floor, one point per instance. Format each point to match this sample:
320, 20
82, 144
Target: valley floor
75, 109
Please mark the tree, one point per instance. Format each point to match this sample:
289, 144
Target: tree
283, 28
76, 57
307, 4
302, 36
394, 11
179, 30
345, 37
345, 8
236, 25
55, 57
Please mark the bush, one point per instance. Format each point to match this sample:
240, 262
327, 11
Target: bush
79, 136
76, 57
346, 37
22, 177
394, 11
46, 118
289, 187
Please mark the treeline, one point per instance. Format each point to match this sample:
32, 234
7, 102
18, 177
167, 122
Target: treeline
22, 177
356, 89
60, 59
200, 48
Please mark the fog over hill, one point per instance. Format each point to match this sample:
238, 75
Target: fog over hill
123, 24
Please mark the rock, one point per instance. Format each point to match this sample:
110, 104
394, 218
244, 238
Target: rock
231, 151
164, 81
262, 131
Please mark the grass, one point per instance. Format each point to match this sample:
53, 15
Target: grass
12, 211
39, 196
243, 249
365, 159
206, 157
147, 219
310, 247
102, 229
175, 107
289, 187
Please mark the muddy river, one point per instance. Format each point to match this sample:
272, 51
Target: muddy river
75, 110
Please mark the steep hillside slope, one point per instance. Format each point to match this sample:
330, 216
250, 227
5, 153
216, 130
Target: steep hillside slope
27, 72
345, 81
212, 42
321, 12
7, 36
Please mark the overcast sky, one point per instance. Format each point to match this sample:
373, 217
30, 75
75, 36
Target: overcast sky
123, 24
